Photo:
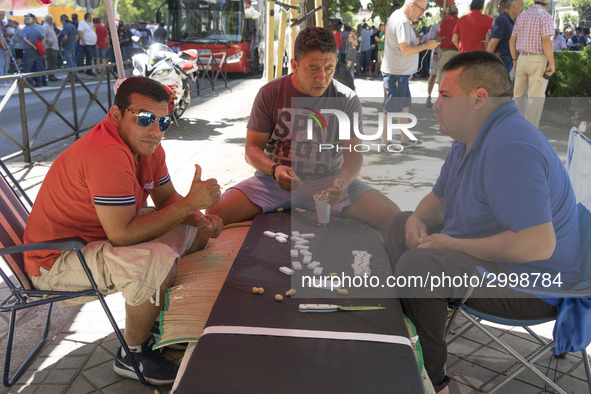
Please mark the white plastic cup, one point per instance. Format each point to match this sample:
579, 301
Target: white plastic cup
322, 211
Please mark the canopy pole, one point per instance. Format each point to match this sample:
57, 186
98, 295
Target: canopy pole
115, 39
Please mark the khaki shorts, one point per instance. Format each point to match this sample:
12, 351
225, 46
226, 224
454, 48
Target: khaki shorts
137, 271
380, 55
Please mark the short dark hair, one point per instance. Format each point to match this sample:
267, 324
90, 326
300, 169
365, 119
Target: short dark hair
87, 15
476, 5
314, 39
481, 69
141, 85
74, 17
96, 19
64, 16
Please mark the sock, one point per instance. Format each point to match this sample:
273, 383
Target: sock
133, 349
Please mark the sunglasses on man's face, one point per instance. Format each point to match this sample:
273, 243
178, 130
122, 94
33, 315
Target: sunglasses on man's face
145, 119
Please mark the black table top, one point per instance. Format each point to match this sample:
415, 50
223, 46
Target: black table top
237, 363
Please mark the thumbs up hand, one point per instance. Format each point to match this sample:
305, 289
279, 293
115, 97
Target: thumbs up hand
203, 194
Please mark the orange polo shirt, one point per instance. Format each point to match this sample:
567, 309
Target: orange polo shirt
98, 169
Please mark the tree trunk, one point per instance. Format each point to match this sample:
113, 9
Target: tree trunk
305, 7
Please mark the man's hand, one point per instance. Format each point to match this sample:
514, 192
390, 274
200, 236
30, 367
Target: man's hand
203, 194
338, 191
286, 178
415, 229
211, 225
550, 69
435, 241
432, 44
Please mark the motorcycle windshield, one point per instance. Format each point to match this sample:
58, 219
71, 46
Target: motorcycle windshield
158, 51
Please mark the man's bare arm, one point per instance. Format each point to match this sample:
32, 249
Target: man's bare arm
530, 244
456, 40
123, 227
408, 49
492, 45
255, 156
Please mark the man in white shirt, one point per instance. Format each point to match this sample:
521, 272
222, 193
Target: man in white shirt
51, 46
87, 40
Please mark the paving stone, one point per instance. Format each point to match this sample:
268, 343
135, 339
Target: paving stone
33, 376
134, 386
61, 376
463, 347
573, 385
564, 366
491, 359
101, 375
22, 389
81, 386
512, 387
70, 362
579, 372
100, 356
470, 374
52, 389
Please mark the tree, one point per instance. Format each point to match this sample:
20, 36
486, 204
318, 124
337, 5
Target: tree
584, 9
382, 8
132, 10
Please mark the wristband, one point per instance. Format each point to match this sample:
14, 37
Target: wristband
273, 170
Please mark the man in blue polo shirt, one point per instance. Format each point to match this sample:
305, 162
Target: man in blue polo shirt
503, 201
69, 39
32, 61
500, 32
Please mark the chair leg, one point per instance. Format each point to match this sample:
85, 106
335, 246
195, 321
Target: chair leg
526, 364
10, 380
121, 339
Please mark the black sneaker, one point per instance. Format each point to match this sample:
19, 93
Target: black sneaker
155, 330
157, 369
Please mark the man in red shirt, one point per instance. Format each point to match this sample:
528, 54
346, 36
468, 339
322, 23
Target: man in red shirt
445, 33
471, 29
96, 190
102, 42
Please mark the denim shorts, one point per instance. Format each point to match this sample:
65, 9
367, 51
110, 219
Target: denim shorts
100, 53
397, 92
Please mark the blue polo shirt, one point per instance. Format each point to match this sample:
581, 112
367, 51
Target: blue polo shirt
32, 35
69, 30
502, 28
511, 179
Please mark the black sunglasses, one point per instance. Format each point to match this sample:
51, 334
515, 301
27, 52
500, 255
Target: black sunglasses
145, 119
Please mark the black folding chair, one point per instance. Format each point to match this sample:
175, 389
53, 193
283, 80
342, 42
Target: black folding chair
13, 218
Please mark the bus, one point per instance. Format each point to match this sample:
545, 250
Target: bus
214, 26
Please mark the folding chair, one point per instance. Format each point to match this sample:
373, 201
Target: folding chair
579, 152
13, 217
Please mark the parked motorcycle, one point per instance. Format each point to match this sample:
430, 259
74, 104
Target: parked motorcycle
173, 70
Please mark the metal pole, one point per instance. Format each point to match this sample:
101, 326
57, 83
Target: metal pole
115, 39
270, 35
281, 45
24, 127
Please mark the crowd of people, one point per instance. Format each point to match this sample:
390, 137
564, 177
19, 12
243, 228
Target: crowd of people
72, 43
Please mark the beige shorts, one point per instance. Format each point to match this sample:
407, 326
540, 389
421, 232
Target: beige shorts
137, 271
380, 55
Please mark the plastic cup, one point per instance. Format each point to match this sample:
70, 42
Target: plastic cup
322, 211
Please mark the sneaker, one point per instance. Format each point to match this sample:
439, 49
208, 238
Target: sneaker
155, 330
411, 144
157, 369
429, 103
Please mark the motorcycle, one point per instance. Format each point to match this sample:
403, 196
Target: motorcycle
173, 70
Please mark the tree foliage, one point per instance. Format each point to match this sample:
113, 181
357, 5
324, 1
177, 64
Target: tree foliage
132, 10
584, 9
382, 8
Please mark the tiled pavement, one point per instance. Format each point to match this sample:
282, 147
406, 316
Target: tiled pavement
79, 354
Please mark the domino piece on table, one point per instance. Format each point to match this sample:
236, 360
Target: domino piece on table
297, 238
317, 271
307, 260
281, 240
308, 235
301, 247
286, 270
282, 235
296, 265
305, 252
294, 253
302, 242
313, 265
295, 233
270, 234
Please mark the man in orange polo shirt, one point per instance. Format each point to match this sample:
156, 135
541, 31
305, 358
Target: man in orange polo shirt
470, 31
96, 190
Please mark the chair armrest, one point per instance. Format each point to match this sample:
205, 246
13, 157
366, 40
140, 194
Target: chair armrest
64, 244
